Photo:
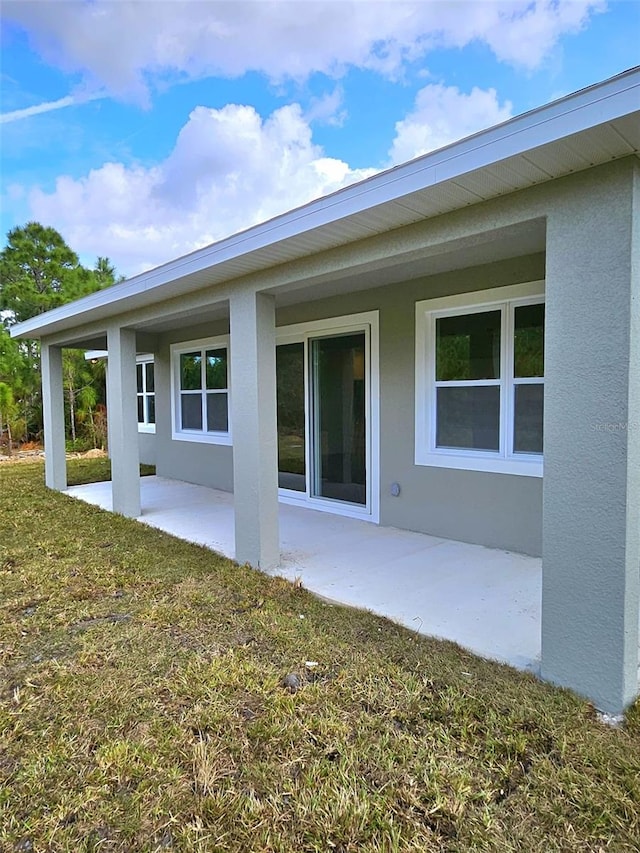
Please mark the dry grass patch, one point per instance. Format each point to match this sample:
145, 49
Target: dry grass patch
143, 708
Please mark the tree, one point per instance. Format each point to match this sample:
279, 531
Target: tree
104, 272
8, 411
35, 271
38, 272
14, 383
82, 390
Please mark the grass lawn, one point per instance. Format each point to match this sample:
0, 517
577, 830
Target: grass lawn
142, 708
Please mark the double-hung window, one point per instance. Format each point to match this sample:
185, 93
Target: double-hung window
146, 394
480, 381
201, 391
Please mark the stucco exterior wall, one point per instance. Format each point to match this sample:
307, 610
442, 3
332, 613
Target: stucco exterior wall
496, 510
203, 464
592, 450
147, 445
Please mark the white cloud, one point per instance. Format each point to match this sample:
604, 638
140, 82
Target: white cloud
229, 169
36, 109
528, 34
49, 106
327, 109
129, 44
443, 114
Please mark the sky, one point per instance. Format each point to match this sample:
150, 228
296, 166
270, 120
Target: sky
144, 129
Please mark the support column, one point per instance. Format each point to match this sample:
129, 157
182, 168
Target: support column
591, 510
123, 421
254, 429
55, 463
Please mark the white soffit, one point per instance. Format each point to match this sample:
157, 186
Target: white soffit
592, 126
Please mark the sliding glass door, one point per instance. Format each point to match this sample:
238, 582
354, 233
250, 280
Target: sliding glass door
323, 419
290, 387
339, 418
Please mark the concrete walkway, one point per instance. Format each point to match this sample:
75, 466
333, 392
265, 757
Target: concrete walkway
486, 600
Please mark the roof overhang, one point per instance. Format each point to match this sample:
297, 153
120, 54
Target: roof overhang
582, 130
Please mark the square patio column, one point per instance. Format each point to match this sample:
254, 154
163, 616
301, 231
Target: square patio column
123, 421
254, 430
55, 463
591, 507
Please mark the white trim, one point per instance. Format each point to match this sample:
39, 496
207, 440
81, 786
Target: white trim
367, 322
94, 355
146, 358
503, 461
589, 108
198, 436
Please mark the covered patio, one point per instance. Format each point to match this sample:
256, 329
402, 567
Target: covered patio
487, 600
511, 255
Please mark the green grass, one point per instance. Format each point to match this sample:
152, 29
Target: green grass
142, 709
96, 470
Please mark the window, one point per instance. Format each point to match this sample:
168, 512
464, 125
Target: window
146, 395
480, 381
201, 391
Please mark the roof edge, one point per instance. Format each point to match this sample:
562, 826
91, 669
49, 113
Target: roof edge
588, 107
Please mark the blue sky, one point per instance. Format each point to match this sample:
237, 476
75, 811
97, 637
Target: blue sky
143, 130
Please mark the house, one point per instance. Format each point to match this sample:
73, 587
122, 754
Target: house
397, 350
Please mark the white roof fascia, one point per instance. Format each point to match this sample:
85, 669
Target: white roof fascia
100, 354
612, 99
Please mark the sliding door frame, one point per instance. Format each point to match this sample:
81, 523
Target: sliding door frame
367, 323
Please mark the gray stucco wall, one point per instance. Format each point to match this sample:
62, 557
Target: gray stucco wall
496, 510
204, 464
147, 445
592, 453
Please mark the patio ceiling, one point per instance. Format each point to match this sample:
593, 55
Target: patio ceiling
515, 241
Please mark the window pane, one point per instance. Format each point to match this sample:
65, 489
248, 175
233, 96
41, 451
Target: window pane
527, 428
217, 413
469, 417
529, 341
150, 377
340, 467
291, 423
151, 409
468, 346
216, 368
191, 405
139, 377
190, 371
140, 409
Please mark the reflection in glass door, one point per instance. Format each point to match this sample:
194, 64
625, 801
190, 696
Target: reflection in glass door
290, 390
338, 395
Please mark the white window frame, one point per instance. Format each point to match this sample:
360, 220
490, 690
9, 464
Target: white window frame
367, 322
145, 425
199, 436
504, 460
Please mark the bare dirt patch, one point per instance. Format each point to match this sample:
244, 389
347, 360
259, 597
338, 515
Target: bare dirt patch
38, 454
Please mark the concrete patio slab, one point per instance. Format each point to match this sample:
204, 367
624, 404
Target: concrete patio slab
486, 600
